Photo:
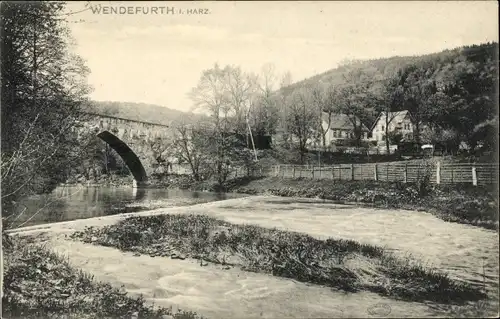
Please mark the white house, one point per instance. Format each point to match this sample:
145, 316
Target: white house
400, 122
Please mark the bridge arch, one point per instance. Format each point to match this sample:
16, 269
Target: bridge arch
127, 154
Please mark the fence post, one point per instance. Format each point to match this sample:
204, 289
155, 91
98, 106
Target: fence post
293, 171
375, 173
333, 172
278, 171
352, 172
438, 173
451, 165
406, 173
312, 172
474, 175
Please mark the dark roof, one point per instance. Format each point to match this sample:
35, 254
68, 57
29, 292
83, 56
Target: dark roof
395, 117
341, 122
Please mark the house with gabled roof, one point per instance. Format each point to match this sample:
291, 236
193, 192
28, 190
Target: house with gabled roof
400, 122
341, 127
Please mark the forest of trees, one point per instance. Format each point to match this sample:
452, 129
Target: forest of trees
451, 96
451, 93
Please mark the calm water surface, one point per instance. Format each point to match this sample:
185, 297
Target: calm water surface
70, 203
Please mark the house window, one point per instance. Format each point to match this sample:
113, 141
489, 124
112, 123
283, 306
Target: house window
383, 127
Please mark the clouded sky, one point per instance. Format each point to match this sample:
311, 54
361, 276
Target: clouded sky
157, 58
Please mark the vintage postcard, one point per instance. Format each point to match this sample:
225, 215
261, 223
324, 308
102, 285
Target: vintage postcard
249, 159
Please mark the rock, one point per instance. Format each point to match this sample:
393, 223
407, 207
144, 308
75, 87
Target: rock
93, 239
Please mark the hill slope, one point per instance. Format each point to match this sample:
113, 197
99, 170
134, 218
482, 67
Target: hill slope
144, 112
466, 77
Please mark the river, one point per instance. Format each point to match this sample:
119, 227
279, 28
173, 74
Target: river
78, 202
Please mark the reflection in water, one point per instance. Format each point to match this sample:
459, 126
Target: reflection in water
139, 193
69, 203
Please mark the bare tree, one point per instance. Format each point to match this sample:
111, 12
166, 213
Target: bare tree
264, 114
329, 105
284, 93
190, 144
213, 93
319, 103
158, 147
390, 99
354, 100
241, 90
301, 120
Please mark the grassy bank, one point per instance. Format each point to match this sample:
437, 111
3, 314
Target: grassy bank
465, 204
41, 284
340, 264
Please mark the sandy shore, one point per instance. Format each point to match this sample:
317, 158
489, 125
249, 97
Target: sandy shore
214, 292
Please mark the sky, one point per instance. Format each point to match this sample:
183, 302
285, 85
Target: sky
148, 54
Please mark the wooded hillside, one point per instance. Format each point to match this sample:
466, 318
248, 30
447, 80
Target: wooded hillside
144, 112
451, 93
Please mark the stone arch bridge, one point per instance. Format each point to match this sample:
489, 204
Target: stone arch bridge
132, 140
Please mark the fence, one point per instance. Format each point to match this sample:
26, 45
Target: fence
440, 173
372, 150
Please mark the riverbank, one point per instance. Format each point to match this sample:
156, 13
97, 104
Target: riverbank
344, 265
174, 181
213, 291
39, 283
463, 204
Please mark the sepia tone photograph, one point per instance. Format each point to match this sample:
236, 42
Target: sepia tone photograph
249, 159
